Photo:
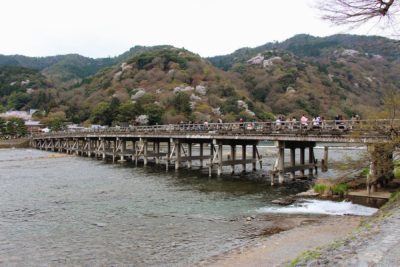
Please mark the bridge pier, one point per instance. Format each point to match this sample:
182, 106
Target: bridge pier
280, 168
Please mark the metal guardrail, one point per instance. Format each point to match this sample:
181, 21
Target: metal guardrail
374, 127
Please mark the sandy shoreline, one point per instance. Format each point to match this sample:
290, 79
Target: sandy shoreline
286, 237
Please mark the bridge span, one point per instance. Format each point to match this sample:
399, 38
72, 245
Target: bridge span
174, 144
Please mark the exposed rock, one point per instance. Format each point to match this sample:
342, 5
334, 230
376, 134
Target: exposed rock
13, 83
183, 89
195, 98
257, 60
117, 76
251, 113
140, 93
350, 52
284, 201
242, 104
217, 111
309, 193
201, 90
142, 119
369, 79
158, 91
125, 66
26, 82
271, 61
30, 90
378, 57
290, 90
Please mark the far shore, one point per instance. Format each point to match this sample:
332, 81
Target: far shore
15, 143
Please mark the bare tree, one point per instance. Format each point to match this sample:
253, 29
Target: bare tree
357, 12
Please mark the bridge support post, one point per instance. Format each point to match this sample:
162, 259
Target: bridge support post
168, 161
254, 163
310, 159
201, 155
145, 147
210, 166
178, 149
324, 161
189, 162
157, 148
292, 162
122, 144
281, 162
233, 157
103, 144
220, 149
302, 160
244, 158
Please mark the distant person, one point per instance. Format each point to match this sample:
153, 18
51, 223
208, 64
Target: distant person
337, 119
304, 120
241, 123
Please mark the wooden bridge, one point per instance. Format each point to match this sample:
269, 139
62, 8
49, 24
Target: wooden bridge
174, 144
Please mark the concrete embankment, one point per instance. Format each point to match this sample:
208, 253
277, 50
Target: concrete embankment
14, 143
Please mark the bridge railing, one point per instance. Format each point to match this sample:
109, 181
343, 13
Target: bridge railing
249, 128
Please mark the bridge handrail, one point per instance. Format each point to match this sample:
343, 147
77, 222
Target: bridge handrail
245, 127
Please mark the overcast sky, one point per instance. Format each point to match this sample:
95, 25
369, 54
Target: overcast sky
102, 28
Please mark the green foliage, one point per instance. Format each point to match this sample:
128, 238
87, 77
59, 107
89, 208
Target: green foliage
364, 172
56, 124
265, 116
230, 106
13, 128
101, 114
340, 189
320, 188
181, 103
127, 112
18, 100
155, 113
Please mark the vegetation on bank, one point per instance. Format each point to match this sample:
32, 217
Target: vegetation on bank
340, 189
12, 128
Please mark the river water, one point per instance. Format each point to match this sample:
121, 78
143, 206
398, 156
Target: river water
65, 210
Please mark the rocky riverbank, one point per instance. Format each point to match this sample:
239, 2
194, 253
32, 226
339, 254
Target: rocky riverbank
294, 234
375, 243
14, 143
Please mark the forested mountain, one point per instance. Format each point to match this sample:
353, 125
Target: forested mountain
343, 74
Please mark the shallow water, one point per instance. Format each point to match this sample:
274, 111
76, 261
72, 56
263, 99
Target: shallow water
65, 210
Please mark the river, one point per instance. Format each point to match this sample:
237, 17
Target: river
58, 209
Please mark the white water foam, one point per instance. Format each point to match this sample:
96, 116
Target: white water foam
306, 206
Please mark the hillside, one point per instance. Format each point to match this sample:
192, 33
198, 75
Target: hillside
174, 83
340, 74
22, 88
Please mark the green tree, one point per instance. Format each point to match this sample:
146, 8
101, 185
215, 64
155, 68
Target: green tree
181, 103
127, 112
154, 112
101, 114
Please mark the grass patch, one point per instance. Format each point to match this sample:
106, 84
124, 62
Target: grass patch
340, 189
306, 256
320, 188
